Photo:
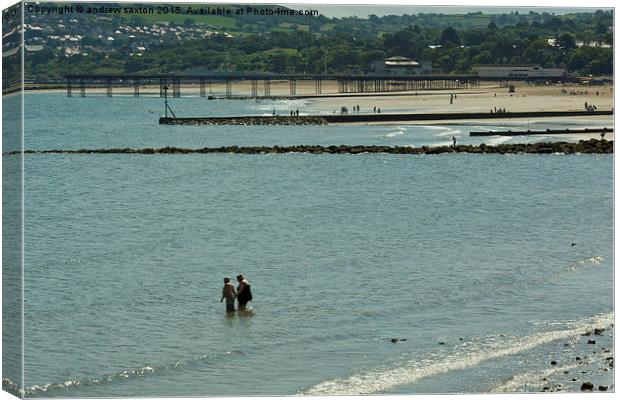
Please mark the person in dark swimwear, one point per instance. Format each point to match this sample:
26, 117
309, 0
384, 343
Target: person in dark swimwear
244, 293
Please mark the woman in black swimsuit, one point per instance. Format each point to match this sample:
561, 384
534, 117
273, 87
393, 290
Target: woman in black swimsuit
244, 293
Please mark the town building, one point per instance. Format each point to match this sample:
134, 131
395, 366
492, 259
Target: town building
534, 71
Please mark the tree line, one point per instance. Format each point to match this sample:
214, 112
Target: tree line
582, 43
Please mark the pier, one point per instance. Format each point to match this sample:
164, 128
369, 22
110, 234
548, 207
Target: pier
260, 84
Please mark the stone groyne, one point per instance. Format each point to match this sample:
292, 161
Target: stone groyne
592, 146
252, 120
371, 118
545, 132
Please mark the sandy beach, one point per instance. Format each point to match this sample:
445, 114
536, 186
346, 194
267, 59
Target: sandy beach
482, 99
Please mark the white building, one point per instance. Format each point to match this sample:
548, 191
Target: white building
399, 65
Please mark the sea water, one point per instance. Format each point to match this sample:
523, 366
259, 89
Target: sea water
481, 265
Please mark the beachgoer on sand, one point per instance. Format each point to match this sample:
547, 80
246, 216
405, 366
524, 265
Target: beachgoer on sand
244, 292
229, 293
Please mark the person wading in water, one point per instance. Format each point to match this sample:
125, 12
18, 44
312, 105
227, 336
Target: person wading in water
228, 293
244, 293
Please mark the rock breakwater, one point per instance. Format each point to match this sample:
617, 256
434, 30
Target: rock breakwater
592, 146
257, 120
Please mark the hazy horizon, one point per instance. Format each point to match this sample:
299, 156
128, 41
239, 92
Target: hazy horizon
363, 11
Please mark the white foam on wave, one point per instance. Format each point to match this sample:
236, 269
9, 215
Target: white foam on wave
528, 379
451, 132
123, 376
596, 260
398, 132
495, 140
463, 356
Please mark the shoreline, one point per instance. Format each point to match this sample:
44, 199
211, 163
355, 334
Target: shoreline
587, 365
486, 99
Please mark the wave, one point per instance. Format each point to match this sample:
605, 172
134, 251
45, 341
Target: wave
596, 260
529, 379
435, 128
399, 131
463, 356
451, 132
122, 376
495, 140
12, 387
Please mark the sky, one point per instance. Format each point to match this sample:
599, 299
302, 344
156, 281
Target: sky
363, 11
336, 8
344, 8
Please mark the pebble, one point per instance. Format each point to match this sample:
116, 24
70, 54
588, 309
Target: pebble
587, 386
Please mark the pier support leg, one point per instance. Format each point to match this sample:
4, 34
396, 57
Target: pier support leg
254, 88
293, 87
108, 89
267, 88
68, 87
228, 88
176, 87
162, 84
82, 88
318, 89
136, 87
203, 89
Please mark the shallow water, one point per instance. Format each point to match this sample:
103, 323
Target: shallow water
125, 256
124, 121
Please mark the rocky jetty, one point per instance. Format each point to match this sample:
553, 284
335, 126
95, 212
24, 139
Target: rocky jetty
592, 146
257, 120
370, 118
